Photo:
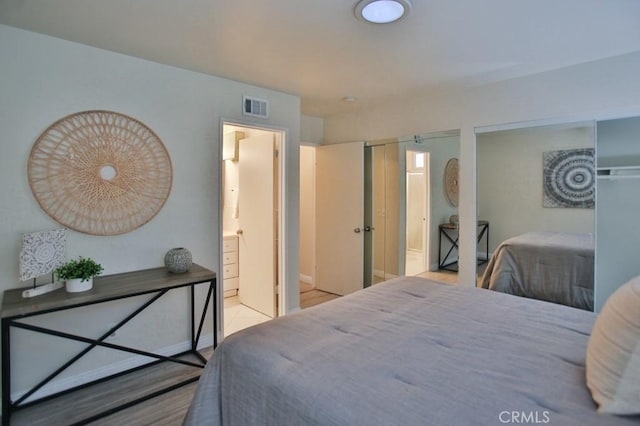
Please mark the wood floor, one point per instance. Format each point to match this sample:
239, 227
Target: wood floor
165, 410
449, 276
311, 297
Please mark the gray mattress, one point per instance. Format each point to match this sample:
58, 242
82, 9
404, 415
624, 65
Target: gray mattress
552, 266
405, 352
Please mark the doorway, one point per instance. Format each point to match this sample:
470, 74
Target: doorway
417, 212
251, 254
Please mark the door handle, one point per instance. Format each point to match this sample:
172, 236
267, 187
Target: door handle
357, 230
239, 232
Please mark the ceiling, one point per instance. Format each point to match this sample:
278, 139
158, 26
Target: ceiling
318, 50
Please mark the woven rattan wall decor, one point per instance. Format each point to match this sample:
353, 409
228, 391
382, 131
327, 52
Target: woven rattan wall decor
451, 172
100, 172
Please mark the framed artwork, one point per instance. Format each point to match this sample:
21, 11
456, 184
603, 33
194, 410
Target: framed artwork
42, 252
569, 178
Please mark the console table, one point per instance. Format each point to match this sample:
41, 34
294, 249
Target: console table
155, 282
450, 232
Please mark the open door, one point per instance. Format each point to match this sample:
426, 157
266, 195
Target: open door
417, 211
257, 236
339, 217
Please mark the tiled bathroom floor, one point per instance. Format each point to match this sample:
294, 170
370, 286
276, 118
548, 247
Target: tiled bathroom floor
238, 316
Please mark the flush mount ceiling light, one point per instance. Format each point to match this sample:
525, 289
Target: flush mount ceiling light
382, 11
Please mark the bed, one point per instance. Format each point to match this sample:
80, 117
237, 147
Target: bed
407, 351
552, 266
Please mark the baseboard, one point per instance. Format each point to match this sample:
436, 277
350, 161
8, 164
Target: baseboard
450, 260
378, 273
306, 279
390, 276
59, 385
481, 255
484, 255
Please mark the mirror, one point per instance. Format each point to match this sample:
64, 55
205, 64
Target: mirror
405, 203
536, 189
618, 161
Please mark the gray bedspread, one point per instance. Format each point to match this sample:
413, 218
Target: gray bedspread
406, 352
552, 266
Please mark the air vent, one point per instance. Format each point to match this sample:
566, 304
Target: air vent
255, 107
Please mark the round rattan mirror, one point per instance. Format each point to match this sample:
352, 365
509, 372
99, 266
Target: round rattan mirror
100, 172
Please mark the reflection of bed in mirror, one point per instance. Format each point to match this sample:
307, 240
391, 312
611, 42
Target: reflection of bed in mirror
407, 351
551, 266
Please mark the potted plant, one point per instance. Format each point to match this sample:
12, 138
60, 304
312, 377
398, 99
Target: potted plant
78, 274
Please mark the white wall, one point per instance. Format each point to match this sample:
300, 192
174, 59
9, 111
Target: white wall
510, 181
307, 213
43, 79
311, 133
311, 130
597, 89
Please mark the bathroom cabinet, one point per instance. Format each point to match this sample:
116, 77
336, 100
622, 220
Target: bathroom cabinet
230, 265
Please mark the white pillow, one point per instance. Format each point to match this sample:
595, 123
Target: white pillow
613, 353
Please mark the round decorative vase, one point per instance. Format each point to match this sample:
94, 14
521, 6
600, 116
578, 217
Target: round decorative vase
178, 260
76, 285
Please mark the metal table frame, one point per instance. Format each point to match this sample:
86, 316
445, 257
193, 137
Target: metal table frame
452, 265
156, 282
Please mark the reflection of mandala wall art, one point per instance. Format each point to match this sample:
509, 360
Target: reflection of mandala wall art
569, 178
451, 172
41, 253
100, 172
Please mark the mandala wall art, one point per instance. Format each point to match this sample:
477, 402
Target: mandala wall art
451, 175
569, 178
100, 172
42, 252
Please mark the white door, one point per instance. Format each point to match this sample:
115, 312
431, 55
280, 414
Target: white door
417, 210
339, 217
256, 215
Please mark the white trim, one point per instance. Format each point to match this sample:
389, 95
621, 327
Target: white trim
602, 115
533, 123
283, 214
58, 385
306, 279
282, 303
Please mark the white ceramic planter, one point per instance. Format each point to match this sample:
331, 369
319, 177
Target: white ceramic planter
77, 286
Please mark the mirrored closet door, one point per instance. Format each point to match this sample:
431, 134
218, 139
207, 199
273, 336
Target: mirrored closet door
536, 187
618, 194
405, 203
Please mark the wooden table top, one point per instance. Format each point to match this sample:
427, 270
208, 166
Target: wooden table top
105, 288
456, 225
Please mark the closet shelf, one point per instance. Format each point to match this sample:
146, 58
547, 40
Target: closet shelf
623, 172
618, 168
